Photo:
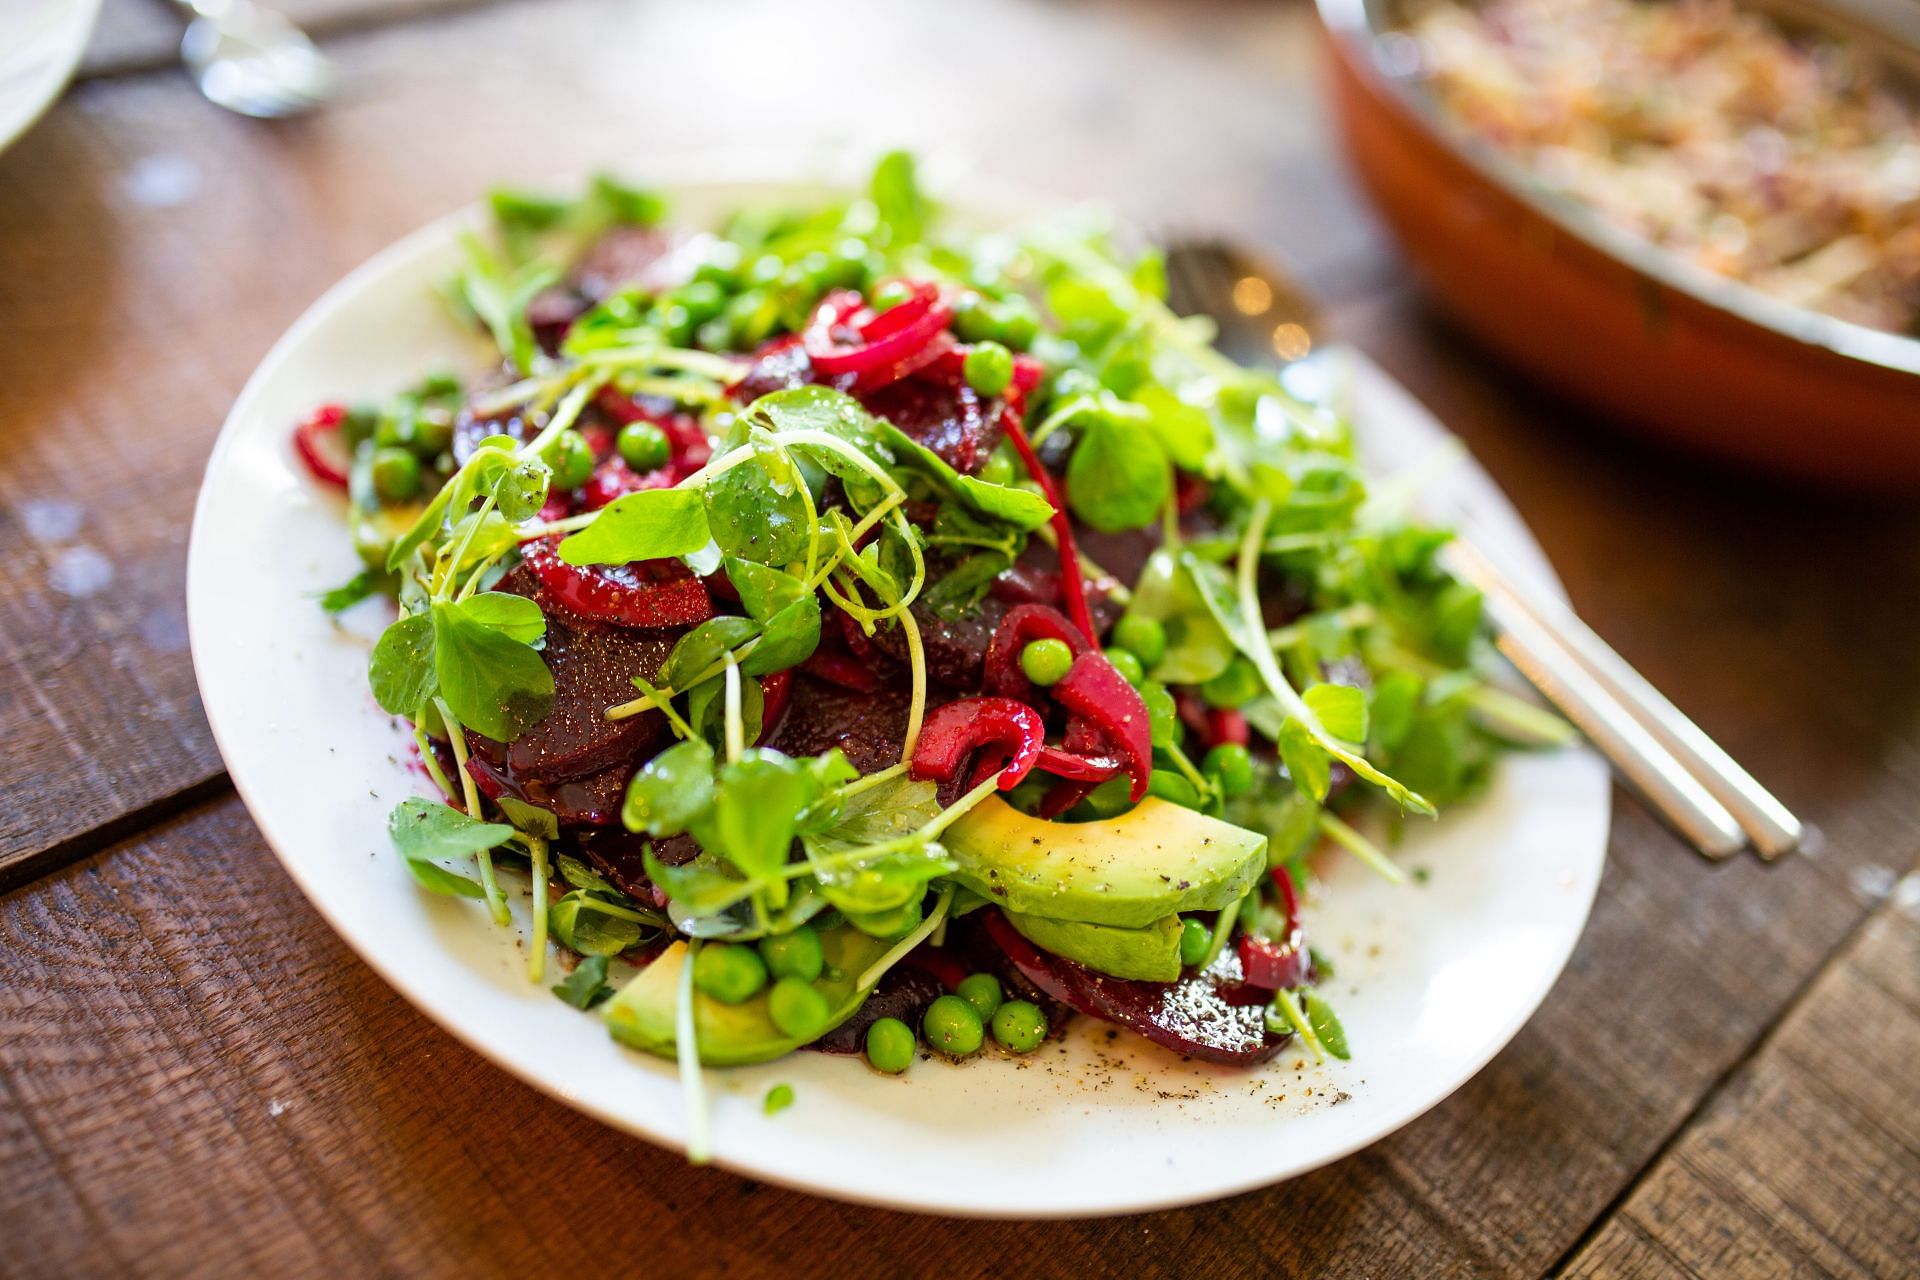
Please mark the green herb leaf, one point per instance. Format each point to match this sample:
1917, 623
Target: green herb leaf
494, 684
897, 198
351, 592
698, 650
1326, 1026
530, 819
1396, 699
424, 527
498, 296
580, 875
868, 860
672, 792
515, 617
425, 831
1306, 760
1118, 477
763, 591
756, 811
779, 1098
1341, 710
587, 925
755, 510
401, 667
587, 985
650, 525
789, 638
701, 887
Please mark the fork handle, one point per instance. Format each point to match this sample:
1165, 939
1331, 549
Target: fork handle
1771, 827
1648, 766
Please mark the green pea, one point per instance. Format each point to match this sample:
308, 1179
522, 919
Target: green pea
1144, 635
1238, 685
798, 1008
571, 458
360, 423
890, 295
702, 299
432, 433
890, 1045
998, 468
1174, 788
1163, 716
1019, 1025
1131, 669
1019, 323
988, 368
794, 955
953, 1027
644, 446
982, 991
1195, 941
972, 320
1046, 662
394, 429
396, 474
1231, 766
729, 973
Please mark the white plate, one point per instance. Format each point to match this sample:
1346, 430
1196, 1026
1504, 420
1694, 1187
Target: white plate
40, 44
1433, 979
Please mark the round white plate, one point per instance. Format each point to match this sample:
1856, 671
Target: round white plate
40, 44
1432, 980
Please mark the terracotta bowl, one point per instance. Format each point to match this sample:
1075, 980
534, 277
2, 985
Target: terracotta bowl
1647, 339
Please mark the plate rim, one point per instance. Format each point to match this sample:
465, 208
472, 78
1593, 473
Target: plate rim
994, 202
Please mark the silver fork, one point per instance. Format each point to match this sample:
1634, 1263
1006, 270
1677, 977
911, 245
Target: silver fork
1263, 318
253, 61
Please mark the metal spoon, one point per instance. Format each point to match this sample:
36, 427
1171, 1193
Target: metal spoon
252, 60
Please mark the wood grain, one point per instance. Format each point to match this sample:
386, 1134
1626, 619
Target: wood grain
196, 1077
1808, 1162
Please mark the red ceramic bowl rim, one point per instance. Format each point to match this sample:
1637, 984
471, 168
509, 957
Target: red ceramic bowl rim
1351, 22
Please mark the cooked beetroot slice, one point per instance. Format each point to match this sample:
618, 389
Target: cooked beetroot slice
1189, 1016
592, 670
593, 800
903, 993
623, 256
867, 727
949, 419
956, 648
646, 593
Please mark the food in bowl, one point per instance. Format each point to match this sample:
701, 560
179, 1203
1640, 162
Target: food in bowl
1789, 162
869, 637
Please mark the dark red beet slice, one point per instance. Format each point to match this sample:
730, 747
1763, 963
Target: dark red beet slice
592, 670
903, 993
780, 365
618, 854
867, 727
623, 256
593, 800
956, 648
1189, 1016
948, 418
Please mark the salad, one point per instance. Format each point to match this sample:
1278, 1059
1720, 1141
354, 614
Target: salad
881, 640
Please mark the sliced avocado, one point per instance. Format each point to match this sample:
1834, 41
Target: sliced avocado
729, 1035
1155, 860
1151, 954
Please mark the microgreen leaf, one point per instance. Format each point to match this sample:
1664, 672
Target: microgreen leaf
515, 617
671, 792
530, 818
498, 296
788, 639
1305, 758
1118, 477
897, 198
585, 924
756, 811
695, 653
1341, 710
1326, 1026
495, 685
650, 525
763, 591
401, 667
755, 510
587, 985
426, 831
351, 592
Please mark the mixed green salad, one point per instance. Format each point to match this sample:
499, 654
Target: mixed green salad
869, 637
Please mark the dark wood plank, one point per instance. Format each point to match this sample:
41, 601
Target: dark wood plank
1808, 1163
152, 247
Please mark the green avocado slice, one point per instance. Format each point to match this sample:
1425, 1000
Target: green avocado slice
1151, 954
731, 1035
1156, 860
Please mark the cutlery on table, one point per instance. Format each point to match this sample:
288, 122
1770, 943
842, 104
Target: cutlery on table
253, 61
1708, 798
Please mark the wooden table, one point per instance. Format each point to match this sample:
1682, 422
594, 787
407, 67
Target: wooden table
197, 1077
